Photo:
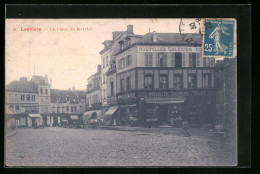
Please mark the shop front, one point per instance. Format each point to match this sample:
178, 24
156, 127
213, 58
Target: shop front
92, 115
172, 107
34, 120
129, 114
128, 109
64, 120
74, 120
111, 116
164, 111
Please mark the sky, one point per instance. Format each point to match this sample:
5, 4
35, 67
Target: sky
67, 56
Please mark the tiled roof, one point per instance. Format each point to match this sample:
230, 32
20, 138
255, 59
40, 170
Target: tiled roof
167, 39
59, 96
81, 94
171, 38
22, 86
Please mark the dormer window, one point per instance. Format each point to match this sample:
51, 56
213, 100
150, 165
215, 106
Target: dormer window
68, 98
155, 38
129, 42
121, 46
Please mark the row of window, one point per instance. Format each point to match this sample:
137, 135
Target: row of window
41, 91
125, 62
177, 81
14, 108
28, 97
71, 109
176, 60
125, 84
61, 109
22, 97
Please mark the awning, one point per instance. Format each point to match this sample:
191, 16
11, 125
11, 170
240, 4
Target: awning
111, 110
74, 117
34, 115
124, 106
89, 113
165, 100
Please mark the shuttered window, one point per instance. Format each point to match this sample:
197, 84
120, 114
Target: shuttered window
150, 60
178, 60
212, 62
183, 60
197, 60
192, 59
161, 60
172, 59
146, 59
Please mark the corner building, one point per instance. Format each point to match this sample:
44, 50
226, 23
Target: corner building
120, 40
162, 77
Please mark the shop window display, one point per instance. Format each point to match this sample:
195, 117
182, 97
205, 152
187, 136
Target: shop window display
152, 115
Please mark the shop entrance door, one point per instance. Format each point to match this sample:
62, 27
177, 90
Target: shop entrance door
33, 122
163, 115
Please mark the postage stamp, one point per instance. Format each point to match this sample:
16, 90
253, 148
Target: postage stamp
218, 38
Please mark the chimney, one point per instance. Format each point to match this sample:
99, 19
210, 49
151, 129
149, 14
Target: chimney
130, 29
23, 79
115, 34
155, 39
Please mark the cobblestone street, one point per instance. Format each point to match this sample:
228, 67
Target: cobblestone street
55, 146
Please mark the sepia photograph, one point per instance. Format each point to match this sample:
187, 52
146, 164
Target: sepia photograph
121, 92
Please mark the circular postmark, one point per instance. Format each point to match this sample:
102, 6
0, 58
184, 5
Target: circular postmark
188, 28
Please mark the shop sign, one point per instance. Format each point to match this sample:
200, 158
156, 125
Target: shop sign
29, 104
126, 96
168, 49
178, 94
31, 109
111, 99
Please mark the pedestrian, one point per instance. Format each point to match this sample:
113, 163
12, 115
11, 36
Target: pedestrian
185, 126
43, 124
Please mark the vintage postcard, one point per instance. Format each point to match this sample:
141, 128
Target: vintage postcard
120, 92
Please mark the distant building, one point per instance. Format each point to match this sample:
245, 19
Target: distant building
93, 95
26, 99
93, 91
66, 105
226, 94
32, 103
43, 93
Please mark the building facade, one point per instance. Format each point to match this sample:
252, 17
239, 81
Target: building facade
44, 99
226, 95
32, 103
161, 78
93, 91
67, 106
22, 103
111, 47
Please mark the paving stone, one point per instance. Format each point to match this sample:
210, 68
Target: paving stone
97, 147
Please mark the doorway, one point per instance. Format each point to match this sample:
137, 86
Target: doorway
33, 122
163, 115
